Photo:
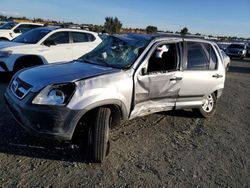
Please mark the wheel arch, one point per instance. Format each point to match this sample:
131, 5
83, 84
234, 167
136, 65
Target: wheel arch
118, 113
35, 58
4, 38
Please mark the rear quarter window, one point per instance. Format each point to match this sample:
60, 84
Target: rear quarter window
79, 37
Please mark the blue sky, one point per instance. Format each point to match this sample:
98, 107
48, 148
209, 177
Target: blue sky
217, 17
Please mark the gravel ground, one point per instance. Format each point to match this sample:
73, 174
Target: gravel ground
170, 149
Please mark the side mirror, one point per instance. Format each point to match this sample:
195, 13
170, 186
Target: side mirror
17, 31
49, 43
143, 71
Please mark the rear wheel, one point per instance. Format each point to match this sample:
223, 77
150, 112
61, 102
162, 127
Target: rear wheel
207, 109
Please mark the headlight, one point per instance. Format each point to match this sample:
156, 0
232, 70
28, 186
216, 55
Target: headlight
4, 54
55, 94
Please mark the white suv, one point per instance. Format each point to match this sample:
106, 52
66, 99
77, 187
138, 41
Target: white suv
11, 30
46, 45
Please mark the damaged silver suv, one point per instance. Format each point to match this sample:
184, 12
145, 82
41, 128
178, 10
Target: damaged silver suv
126, 76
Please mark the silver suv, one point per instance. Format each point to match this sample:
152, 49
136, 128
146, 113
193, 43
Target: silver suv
126, 76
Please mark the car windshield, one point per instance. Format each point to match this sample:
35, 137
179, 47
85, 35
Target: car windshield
32, 36
116, 52
240, 46
8, 25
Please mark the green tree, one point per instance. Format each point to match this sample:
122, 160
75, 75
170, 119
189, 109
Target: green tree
112, 25
151, 29
184, 31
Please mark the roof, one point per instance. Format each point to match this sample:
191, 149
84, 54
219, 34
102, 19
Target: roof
52, 28
134, 38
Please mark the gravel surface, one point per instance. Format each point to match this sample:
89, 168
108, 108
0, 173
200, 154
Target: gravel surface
170, 149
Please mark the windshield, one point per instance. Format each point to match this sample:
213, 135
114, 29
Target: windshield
8, 25
32, 36
240, 46
116, 52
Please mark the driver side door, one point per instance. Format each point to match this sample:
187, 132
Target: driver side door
156, 85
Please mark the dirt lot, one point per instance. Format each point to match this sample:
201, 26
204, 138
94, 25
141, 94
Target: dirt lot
172, 149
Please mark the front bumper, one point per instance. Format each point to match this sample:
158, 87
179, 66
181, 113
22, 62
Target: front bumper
55, 122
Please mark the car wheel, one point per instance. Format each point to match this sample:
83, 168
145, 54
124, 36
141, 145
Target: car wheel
207, 109
98, 135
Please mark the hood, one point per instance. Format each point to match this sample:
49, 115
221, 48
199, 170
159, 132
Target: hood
7, 44
44, 75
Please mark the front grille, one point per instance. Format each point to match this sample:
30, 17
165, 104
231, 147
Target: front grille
20, 88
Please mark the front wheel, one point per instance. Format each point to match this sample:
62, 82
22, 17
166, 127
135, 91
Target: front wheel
207, 109
98, 134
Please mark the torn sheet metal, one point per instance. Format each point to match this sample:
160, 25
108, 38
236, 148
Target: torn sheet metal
155, 92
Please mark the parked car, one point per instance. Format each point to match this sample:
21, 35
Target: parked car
248, 50
223, 45
1, 23
238, 50
126, 76
45, 45
11, 30
226, 60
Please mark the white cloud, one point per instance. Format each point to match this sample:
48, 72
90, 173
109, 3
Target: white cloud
7, 13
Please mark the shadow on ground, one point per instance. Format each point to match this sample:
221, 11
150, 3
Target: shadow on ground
238, 69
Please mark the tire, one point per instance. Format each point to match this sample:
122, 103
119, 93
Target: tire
208, 109
98, 135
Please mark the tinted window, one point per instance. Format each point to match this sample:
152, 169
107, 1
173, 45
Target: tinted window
59, 38
240, 46
24, 28
91, 37
33, 36
79, 37
8, 25
82, 37
213, 59
197, 59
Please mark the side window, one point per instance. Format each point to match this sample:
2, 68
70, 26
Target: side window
59, 38
163, 59
91, 37
197, 57
22, 28
34, 26
213, 59
79, 37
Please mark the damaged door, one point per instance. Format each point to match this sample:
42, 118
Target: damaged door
156, 83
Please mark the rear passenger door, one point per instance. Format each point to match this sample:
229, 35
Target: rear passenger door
82, 43
201, 74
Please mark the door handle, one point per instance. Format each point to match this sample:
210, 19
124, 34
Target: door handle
217, 76
176, 79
